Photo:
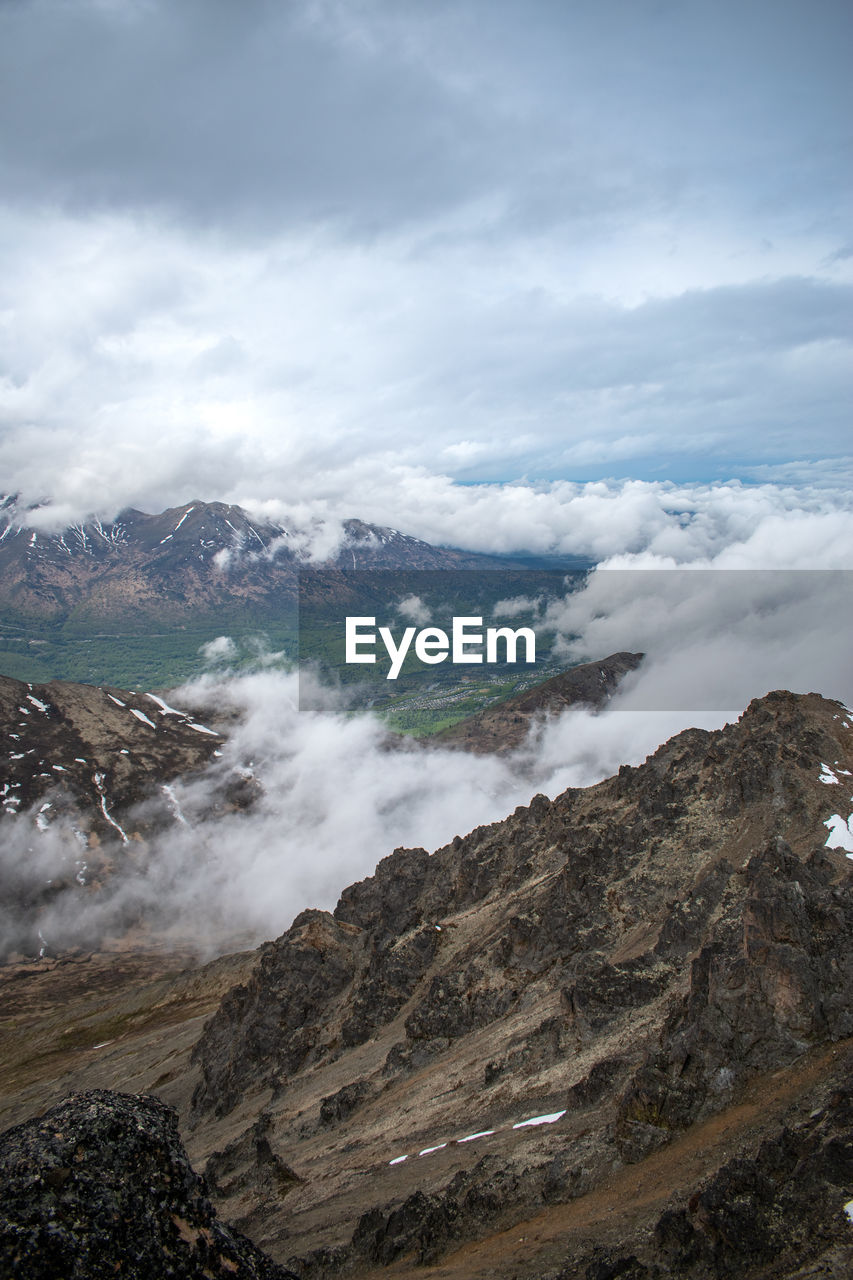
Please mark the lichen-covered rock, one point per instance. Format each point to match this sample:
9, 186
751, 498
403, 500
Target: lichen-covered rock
100, 1186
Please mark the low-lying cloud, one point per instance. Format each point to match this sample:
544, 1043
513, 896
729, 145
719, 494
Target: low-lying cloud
332, 799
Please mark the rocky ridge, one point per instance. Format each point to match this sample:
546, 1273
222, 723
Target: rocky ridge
504, 727
502, 1024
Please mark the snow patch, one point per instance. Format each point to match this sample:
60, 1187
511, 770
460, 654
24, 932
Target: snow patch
169, 793
549, 1119
165, 709
840, 833
398, 1160
98, 779
827, 776
483, 1133
181, 521
117, 701
140, 715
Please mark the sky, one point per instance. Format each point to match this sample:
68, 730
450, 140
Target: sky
500, 275
567, 275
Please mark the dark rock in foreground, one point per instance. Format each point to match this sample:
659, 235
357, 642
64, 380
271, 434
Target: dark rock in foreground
101, 1186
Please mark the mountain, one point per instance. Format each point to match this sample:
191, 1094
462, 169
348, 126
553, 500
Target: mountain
93, 767
93, 753
191, 561
137, 600
504, 727
609, 1036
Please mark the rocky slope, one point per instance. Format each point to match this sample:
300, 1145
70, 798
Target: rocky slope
94, 752
475, 1034
504, 727
91, 767
609, 1036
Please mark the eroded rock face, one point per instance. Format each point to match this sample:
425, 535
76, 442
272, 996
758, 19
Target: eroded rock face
101, 1186
282, 1012
772, 977
669, 888
632, 955
778, 1213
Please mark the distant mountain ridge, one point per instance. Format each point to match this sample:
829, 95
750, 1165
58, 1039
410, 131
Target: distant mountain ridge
196, 559
502, 728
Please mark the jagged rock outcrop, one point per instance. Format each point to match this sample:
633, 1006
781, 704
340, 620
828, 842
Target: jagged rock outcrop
101, 1186
762, 989
283, 1009
779, 1212
628, 957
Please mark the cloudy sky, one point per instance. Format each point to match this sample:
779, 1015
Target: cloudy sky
362, 255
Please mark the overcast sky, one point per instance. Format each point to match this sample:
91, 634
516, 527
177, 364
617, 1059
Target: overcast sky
356, 254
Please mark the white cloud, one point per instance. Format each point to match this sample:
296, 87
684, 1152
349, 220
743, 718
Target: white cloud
146, 365
714, 638
222, 649
334, 800
414, 610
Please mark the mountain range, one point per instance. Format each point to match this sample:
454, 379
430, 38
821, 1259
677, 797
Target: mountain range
191, 561
137, 600
609, 1036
